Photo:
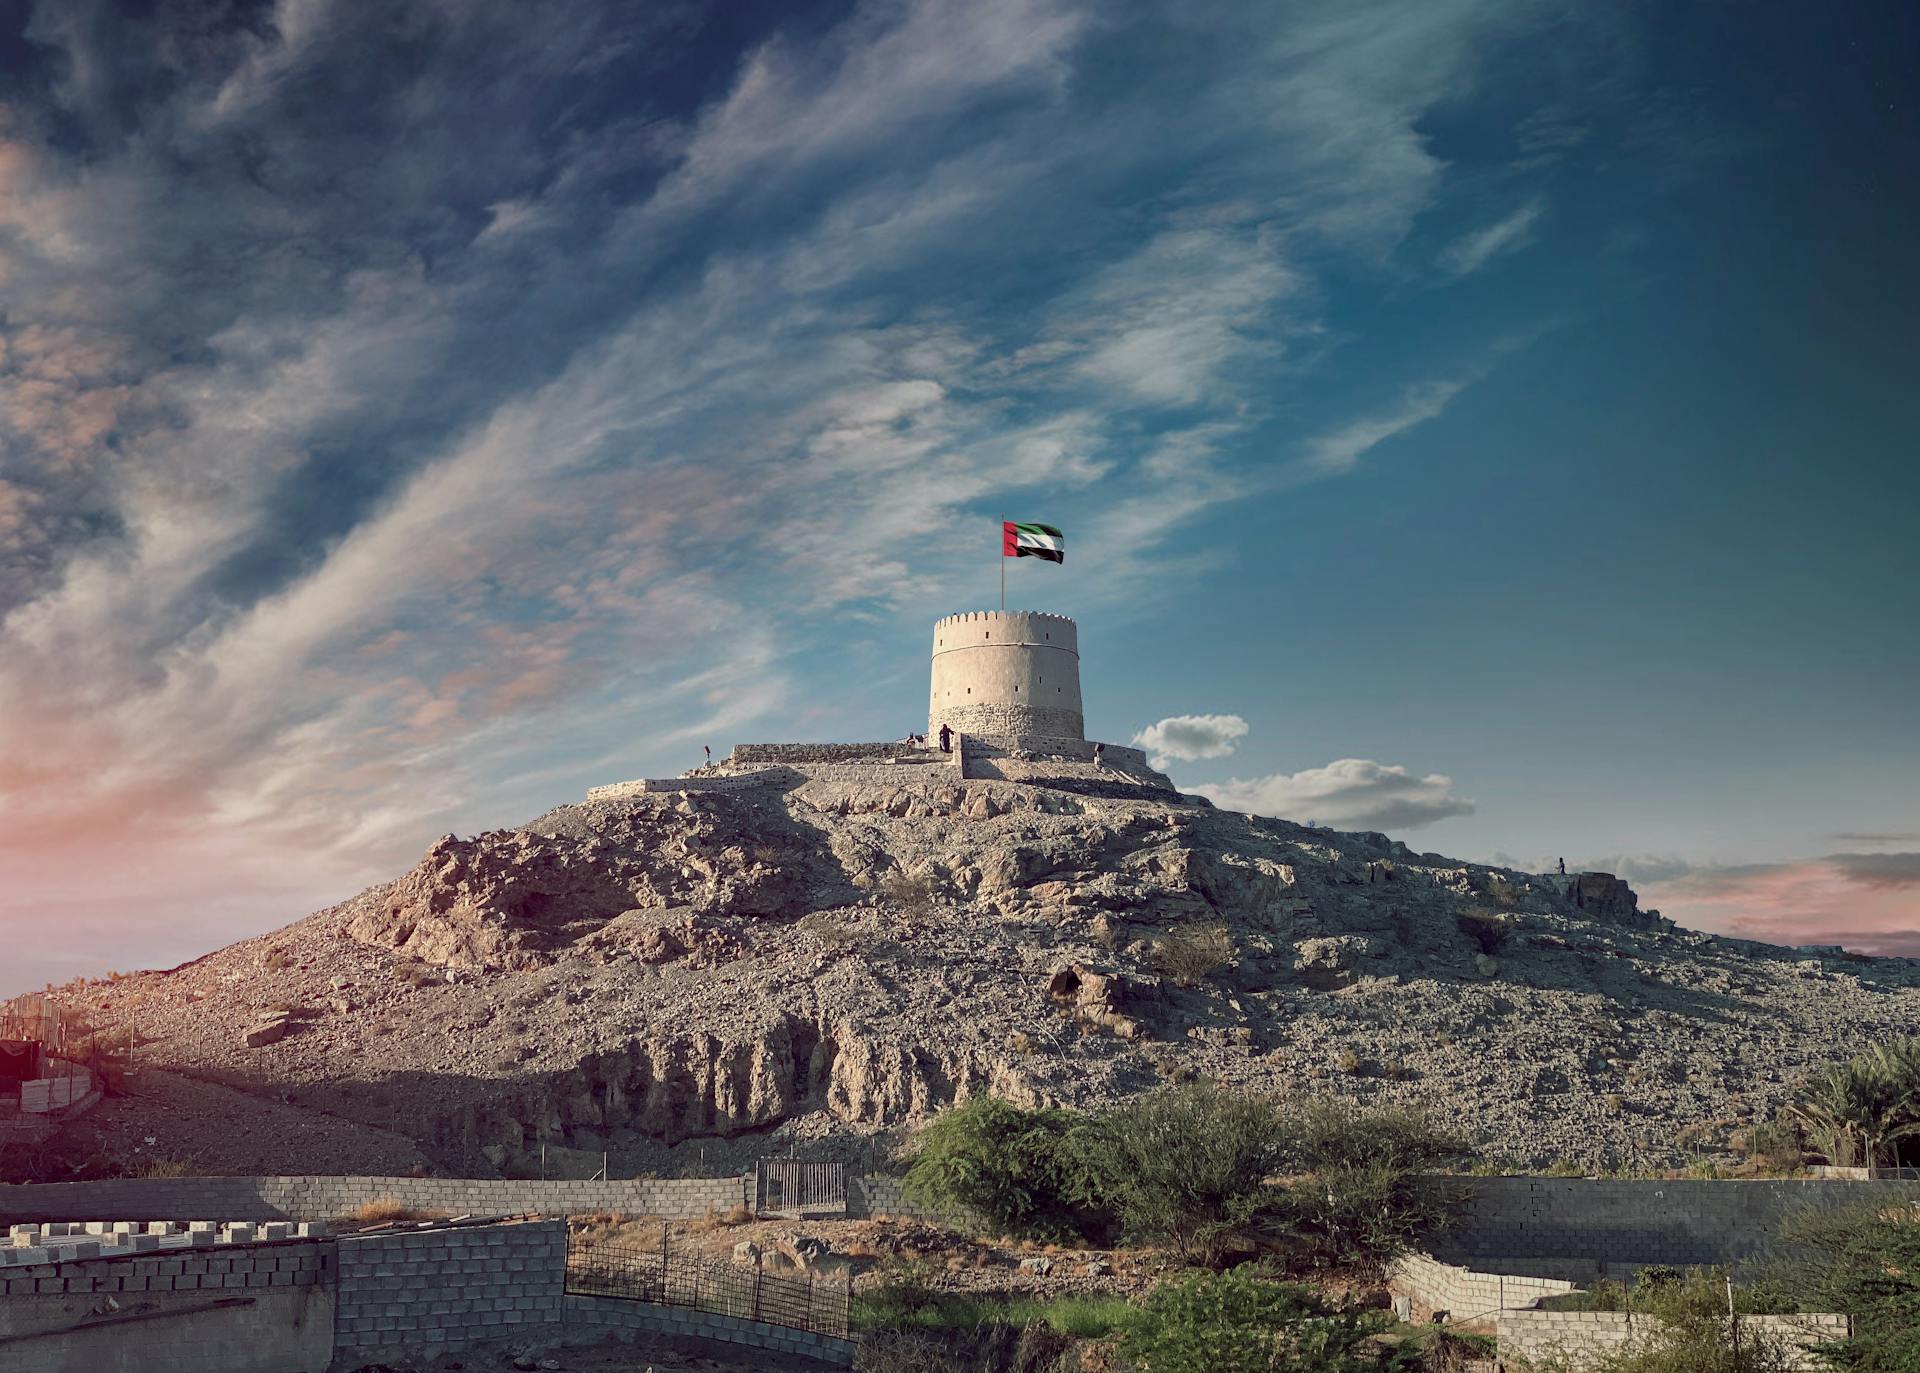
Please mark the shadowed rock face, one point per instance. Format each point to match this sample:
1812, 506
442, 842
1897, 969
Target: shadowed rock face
832, 954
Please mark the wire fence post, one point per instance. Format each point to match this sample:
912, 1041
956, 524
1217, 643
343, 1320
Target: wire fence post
759, 1261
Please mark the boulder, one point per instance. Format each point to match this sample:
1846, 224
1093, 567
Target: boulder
266, 1032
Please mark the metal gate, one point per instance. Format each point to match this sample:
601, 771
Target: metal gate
795, 1189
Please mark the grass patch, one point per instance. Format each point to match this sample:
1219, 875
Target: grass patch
910, 1305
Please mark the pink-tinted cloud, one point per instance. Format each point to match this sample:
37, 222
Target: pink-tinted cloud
1867, 902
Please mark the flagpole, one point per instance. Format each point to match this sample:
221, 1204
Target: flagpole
1003, 565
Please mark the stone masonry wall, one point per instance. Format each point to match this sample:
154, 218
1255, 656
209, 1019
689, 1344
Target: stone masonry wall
658, 786
812, 753
322, 1198
599, 1317
1581, 1337
452, 1286
1009, 722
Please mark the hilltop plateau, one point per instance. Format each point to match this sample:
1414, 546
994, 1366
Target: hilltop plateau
830, 953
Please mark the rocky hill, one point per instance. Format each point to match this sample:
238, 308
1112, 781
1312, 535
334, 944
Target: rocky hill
836, 951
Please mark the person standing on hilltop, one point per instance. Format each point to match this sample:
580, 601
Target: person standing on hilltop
1100, 755
946, 739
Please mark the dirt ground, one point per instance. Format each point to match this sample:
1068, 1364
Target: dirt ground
657, 1354
881, 1249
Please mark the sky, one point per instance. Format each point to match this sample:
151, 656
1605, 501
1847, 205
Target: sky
1486, 420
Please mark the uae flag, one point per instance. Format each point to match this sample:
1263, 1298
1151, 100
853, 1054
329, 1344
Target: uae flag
1032, 541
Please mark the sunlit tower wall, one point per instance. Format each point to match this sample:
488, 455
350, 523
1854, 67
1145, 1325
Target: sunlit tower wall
1007, 674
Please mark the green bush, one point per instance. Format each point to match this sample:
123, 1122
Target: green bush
1021, 1171
1690, 1331
1231, 1323
1862, 1262
1188, 1166
1193, 1167
908, 1302
1368, 1188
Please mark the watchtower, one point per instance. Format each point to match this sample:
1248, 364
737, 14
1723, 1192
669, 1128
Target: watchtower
1010, 675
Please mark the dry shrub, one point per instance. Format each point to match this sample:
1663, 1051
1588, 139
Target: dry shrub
1193, 952
382, 1210
1505, 895
739, 1214
832, 931
913, 895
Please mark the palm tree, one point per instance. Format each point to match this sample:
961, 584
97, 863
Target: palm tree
1861, 1108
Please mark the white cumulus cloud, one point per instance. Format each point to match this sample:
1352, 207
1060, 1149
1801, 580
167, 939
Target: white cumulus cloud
1348, 793
1191, 737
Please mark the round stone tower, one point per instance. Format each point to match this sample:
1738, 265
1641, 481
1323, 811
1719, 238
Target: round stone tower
1007, 674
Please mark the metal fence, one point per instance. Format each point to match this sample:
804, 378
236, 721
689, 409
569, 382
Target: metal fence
792, 1187
798, 1301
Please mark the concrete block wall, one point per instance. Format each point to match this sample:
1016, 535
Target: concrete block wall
323, 1198
251, 1330
599, 1317
1637, 1222
872, 1195
295, 1263
1582, 1337
1462, 1293
449, 1286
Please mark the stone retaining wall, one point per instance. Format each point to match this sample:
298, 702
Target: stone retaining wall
814, 753
1582, 1337
450, 1286
663, 786
600, 1317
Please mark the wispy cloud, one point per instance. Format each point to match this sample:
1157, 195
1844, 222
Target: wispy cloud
1340, 451
1475, 250
353, 487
